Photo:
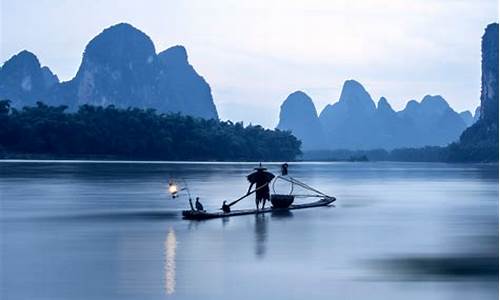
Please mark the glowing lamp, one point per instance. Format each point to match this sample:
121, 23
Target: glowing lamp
172, 189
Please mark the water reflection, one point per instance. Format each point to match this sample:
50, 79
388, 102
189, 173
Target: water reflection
260, 235
409, 231
170, 248
282, 214
452, 267
225, 221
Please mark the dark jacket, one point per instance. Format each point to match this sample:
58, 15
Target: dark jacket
261, 178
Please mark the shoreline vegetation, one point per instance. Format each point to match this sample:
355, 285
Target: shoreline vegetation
44, 132
49, 132
458, 152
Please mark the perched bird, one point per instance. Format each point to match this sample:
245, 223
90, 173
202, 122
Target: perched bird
198, 205
225, 208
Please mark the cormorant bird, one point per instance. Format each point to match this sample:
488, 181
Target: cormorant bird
225, 208
198, 205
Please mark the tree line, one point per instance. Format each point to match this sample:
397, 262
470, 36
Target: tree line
455, 152
133, 133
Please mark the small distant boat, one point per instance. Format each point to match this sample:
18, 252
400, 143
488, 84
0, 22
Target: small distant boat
204, 215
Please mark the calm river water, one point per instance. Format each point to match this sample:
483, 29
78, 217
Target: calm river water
109, 230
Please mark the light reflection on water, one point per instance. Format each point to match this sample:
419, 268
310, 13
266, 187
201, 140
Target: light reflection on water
110, 231
170, 248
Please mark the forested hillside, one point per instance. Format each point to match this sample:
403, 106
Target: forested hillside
134, 133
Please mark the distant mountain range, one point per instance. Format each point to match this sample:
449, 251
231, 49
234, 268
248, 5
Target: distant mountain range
355, 122
298, 115
119, 67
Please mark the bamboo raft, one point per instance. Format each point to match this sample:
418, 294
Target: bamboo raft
204, 215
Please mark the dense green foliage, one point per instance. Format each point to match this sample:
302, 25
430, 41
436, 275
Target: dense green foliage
136, 134
478, 143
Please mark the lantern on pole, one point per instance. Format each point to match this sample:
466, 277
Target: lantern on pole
174, 189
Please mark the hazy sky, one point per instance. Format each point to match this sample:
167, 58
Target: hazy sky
254, 53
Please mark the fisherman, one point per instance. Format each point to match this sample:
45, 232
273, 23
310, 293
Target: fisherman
261, 178
198, 205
